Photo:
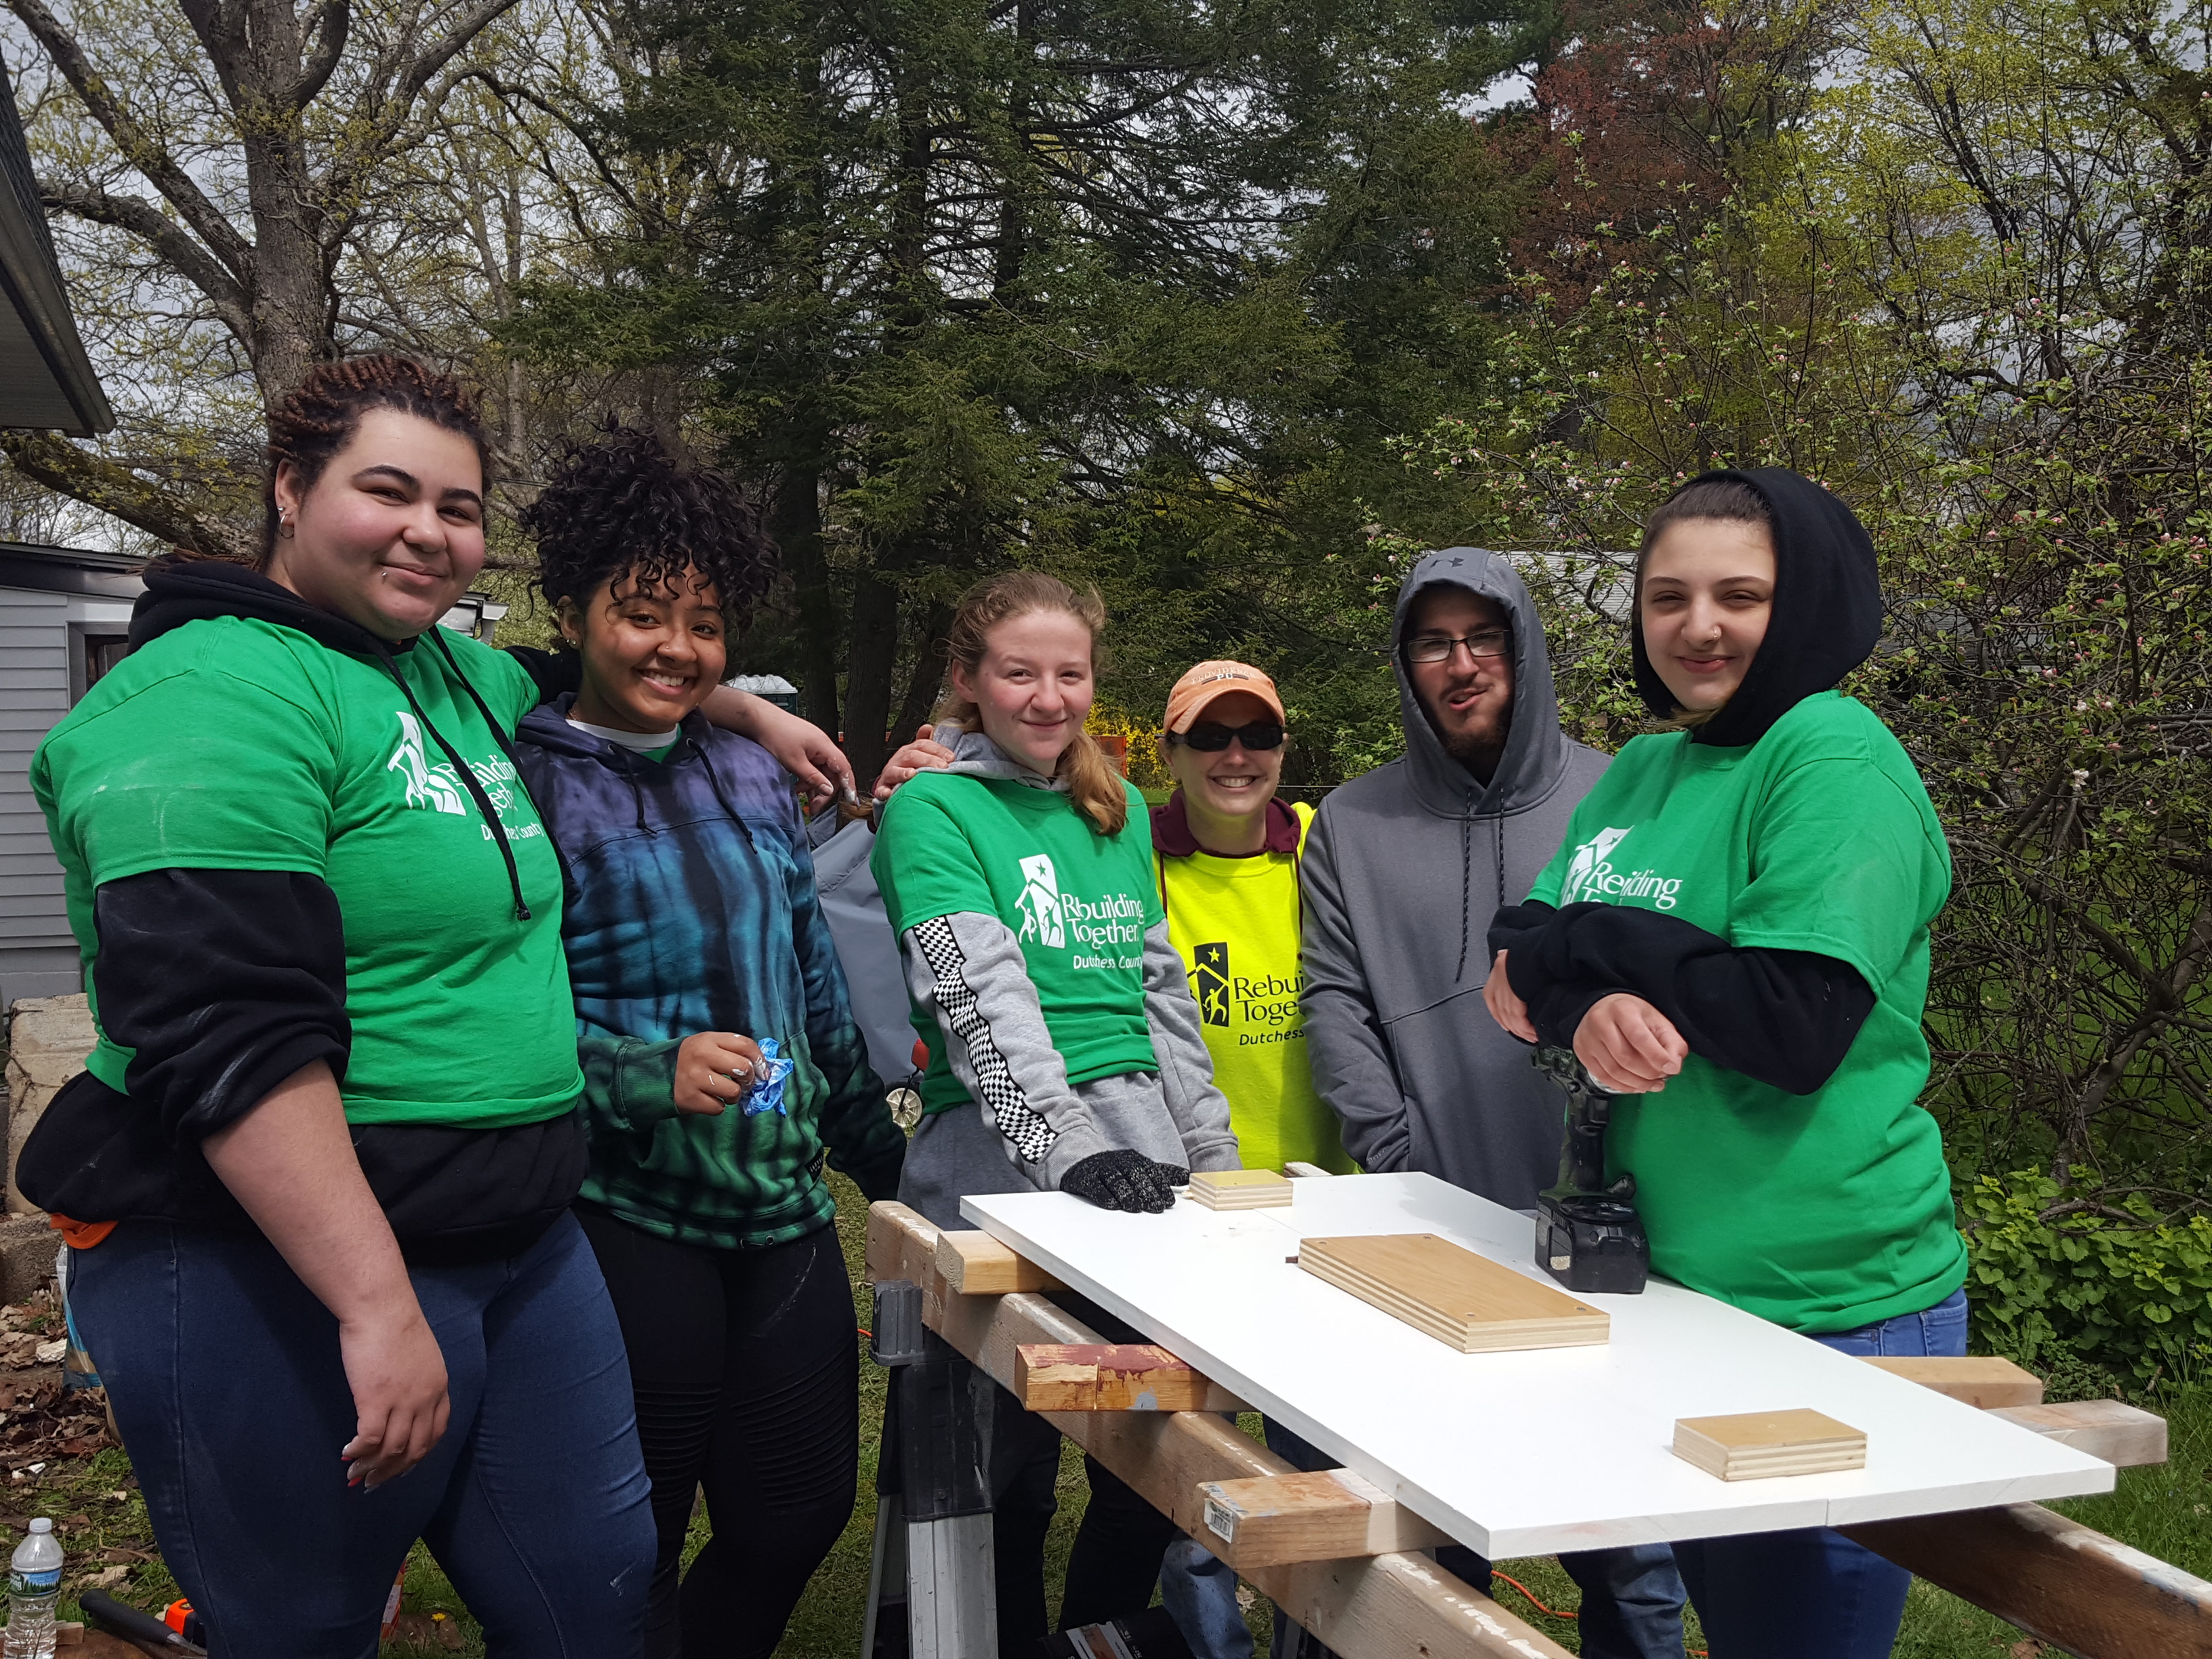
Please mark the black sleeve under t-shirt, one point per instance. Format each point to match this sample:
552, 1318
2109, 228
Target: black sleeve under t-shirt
1782, 1017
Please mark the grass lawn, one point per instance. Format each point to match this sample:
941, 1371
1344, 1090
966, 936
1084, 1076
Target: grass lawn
2165, 1511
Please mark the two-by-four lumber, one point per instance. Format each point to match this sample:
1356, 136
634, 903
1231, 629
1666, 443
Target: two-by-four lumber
976, 1264
2118, 1432
1104, 1377
1380, 1607
1979, 1380
1324, 1516
2058, 1581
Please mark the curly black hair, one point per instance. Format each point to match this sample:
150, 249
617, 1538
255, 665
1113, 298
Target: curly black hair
623, 508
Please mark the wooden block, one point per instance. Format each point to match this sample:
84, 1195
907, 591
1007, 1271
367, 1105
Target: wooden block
1464, 1300
976, 1264
1382, 1608
1105, 1376
2109, 1429
1240, 1189
1298, 1171
2064, 1583
1979, 1380
1270, 1520
1758, 1445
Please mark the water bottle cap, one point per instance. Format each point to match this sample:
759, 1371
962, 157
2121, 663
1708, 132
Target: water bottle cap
42, 1524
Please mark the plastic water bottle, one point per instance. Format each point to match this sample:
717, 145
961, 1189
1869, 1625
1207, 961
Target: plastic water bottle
34, 1579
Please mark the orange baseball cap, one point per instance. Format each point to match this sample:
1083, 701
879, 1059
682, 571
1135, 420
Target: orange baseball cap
1209, 680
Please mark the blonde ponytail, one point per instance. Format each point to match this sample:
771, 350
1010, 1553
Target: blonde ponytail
1092, 782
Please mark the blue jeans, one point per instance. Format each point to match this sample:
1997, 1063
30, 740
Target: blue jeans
225, 1376
1813, 1594
1631, 1605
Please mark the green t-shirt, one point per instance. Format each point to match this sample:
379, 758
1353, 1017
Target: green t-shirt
1078, 903
1823, 1212
235, 744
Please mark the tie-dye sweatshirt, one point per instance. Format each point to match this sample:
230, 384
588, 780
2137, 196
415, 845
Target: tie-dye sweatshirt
694, 909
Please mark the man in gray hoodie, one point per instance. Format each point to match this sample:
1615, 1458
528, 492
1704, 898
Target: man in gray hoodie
1404, 868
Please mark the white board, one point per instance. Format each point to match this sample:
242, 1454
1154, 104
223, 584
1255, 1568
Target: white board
1529, 1452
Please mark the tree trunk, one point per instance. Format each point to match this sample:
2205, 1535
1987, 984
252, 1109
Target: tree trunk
868, 680
931, 649
795, 520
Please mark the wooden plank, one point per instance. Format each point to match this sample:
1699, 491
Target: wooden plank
1464, 1300
2110, 1429
2060, 1582
1298, 1171
1273, 1520
1104, 1377
1383, 1606
1979, 1380
975, 1264
1240, 1189
1759, 1445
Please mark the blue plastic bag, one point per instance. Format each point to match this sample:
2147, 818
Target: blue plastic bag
767, 1091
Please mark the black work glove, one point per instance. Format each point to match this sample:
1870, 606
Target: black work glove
1123, 1179
880, 1180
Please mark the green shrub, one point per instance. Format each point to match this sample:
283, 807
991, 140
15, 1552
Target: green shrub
2131, 1296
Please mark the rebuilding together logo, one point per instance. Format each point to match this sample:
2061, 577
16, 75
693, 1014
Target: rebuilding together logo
1263, 999
1106, 932
1591, 875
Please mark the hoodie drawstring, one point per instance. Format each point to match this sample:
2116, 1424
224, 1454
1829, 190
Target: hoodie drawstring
464, 771
1466, 884
1467, 876
714, 782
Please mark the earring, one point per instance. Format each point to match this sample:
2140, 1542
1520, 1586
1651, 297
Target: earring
284, 527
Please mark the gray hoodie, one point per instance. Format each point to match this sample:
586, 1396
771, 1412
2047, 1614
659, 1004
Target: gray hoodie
1032, 1125
1404, 868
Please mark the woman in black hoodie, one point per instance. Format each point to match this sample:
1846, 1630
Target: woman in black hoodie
1734, 938
317, 1174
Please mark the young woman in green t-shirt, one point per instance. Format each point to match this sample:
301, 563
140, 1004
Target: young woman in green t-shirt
1734, 938
1064, 1046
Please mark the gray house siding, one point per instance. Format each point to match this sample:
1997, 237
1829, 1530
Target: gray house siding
37, 957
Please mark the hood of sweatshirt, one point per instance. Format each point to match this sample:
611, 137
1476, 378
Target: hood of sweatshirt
1536, 748
181, 592
1404, 867
1825, 620
976, 755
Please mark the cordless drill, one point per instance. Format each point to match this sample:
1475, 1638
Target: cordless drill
1588, 1235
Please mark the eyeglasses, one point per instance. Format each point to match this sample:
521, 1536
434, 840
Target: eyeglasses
1211, 737
1491, 642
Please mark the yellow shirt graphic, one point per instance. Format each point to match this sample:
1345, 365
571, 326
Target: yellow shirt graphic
1235, 923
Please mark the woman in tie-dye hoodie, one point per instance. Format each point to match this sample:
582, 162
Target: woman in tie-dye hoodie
719, 1055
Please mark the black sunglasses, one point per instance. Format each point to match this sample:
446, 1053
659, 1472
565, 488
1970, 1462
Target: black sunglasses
1211, 738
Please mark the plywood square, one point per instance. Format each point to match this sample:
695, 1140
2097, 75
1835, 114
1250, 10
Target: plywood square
1755, 1445
1462, 1299
1240, 1189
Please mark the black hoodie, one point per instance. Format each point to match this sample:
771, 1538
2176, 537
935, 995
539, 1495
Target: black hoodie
223, 983
1785, 1018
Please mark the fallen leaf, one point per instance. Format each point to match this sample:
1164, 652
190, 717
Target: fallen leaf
2025, 1649
119, 1498
75, 1520
50, 1353
106, 1578
116, 1553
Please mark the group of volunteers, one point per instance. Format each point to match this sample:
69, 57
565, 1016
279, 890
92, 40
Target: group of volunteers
475, 1026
